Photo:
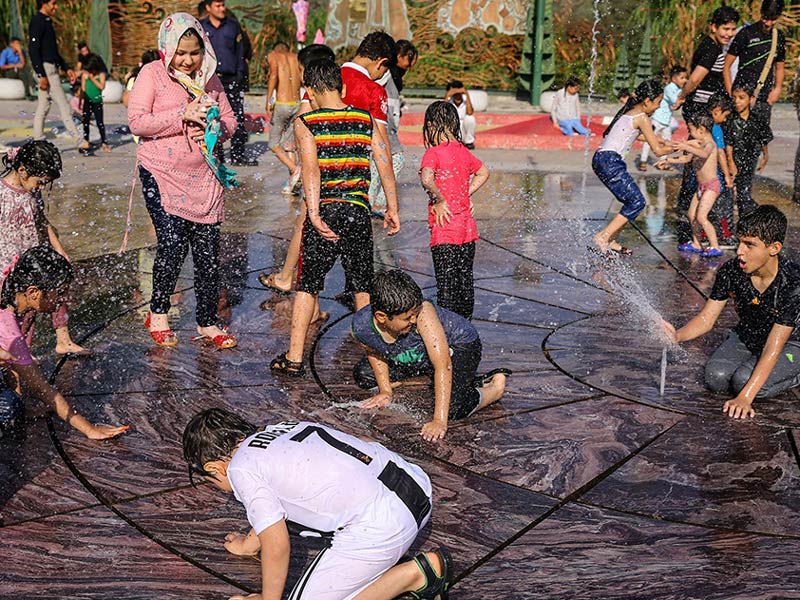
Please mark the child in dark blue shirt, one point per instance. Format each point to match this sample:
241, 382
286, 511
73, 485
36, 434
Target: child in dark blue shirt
406, 336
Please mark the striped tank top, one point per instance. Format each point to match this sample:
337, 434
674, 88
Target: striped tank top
344, 142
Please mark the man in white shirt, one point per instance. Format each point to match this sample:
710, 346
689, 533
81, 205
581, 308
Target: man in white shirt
458, 96
370, 501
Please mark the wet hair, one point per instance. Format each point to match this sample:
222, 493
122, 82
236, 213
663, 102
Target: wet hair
703, 120
39, 157
148, 56
647, 90
720, 100
93, 64
378, 45
724, 14
441, 118
212, 435
772, 9
41, 267
748, 88
454, 84
322, 76
573, 82
676, 70
315, 52
406, 49
394, 292
192, 32
766, 223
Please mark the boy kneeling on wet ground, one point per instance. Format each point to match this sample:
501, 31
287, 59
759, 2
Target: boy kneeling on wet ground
761, 356
314, 478
406, 336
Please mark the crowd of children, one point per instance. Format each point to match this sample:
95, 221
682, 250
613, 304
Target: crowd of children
340, 142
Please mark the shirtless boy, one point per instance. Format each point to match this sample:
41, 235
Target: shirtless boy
701, 151
284, 81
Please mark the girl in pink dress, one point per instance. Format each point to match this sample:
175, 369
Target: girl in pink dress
23, 223
451, 174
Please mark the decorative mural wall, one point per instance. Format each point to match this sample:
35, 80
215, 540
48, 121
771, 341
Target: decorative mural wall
477, 41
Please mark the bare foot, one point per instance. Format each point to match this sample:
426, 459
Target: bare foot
104, 432
601, 242
211, 332
71, 348
106, 148
84, 146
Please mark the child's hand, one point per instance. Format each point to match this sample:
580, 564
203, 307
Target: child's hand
377, 401
105, 432
391, 221
326, 232
433, 431
196, 133
669, 331
739, 408
6, 356
442, 213
729, 179
763, 163
241, 544
734, 170
195, 111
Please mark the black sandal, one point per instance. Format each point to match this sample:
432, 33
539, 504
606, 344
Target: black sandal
283, 365
482, 380
436, 586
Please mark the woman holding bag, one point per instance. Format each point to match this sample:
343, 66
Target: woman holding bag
179, 109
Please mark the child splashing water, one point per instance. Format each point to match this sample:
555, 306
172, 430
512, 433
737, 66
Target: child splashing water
450, 175
701, 151
23, 223
93, 82
631, 122
33, 285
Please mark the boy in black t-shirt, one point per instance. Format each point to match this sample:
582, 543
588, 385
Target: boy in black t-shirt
747, 133
757, 360
752, 46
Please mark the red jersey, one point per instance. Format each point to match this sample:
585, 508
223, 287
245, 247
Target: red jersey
361, 92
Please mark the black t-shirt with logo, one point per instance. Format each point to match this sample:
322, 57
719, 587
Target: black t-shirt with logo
758, 312
752, 46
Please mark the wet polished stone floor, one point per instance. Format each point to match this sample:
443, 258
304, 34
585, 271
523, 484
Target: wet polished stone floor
583, 482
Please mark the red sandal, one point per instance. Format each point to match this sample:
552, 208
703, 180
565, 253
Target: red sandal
162, 337
223, 341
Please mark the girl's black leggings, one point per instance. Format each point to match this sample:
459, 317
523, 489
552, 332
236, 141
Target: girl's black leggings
93, 109
175, 236
452, 264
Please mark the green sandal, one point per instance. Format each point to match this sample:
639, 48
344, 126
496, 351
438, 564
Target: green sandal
436, 586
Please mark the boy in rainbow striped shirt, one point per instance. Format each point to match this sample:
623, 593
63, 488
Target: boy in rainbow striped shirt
334, 142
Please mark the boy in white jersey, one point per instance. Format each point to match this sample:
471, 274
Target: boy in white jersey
371, 500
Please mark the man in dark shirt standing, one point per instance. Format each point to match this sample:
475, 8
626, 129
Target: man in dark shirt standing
705, 80
752, 46
761, 356
226, 38
46, 62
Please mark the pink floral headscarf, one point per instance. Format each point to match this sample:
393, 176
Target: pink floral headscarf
169, 36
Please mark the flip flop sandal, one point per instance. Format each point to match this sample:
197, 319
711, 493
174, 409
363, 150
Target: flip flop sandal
482, 380
436, 586
268, 281
622, 251
162, 337
283, 365
223, 341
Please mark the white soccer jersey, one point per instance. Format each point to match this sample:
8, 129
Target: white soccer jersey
318, 477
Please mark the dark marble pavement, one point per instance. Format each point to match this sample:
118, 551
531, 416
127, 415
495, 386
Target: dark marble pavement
583, 482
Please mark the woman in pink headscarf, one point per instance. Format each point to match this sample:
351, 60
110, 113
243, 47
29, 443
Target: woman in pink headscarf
179, 109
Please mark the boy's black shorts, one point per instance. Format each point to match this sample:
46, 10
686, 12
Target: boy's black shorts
353, 225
